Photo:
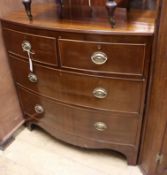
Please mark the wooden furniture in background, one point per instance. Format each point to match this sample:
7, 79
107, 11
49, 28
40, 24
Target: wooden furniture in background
85, 82
154, 150
109, 5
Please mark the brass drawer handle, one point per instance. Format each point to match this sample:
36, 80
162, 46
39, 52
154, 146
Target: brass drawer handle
26, 46
100, 126
100, 93
39, 109
99, 58
32, 77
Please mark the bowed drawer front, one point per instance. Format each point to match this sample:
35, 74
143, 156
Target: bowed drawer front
104, 57
103, 127
85, 89
43, 48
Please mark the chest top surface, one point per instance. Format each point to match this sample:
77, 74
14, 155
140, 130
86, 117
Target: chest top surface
83, 19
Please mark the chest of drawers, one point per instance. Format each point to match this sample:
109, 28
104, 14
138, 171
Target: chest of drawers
84, 87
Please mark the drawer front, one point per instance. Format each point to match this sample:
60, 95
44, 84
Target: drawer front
118, 58
80, 122
43, 48
80, 89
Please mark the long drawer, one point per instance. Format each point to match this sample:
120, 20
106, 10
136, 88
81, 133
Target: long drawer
79, 122
103, 57
43, 48
80, 89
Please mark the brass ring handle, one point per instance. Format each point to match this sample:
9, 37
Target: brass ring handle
99, 58
32, 77
100, 93
100, 126
26, 46
39, 109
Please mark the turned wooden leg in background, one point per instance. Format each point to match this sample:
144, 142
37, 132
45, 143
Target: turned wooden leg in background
27, 5
111, 6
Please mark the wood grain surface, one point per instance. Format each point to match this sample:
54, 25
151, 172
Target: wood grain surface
155, 134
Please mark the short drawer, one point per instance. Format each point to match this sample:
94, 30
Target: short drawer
43, 48
117, 58
79, 122
80, 89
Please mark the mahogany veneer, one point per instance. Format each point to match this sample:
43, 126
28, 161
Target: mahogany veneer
88, 84
112, 50
44, 48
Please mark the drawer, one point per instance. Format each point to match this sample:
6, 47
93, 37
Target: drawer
80, 89
79, 122
43, 48
117, 58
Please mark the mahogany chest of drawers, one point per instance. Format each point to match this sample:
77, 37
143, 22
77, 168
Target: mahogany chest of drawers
84, 87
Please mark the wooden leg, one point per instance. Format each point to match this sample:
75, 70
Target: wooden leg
7, 143
132, 159
111, 6
27, 5
30, 126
